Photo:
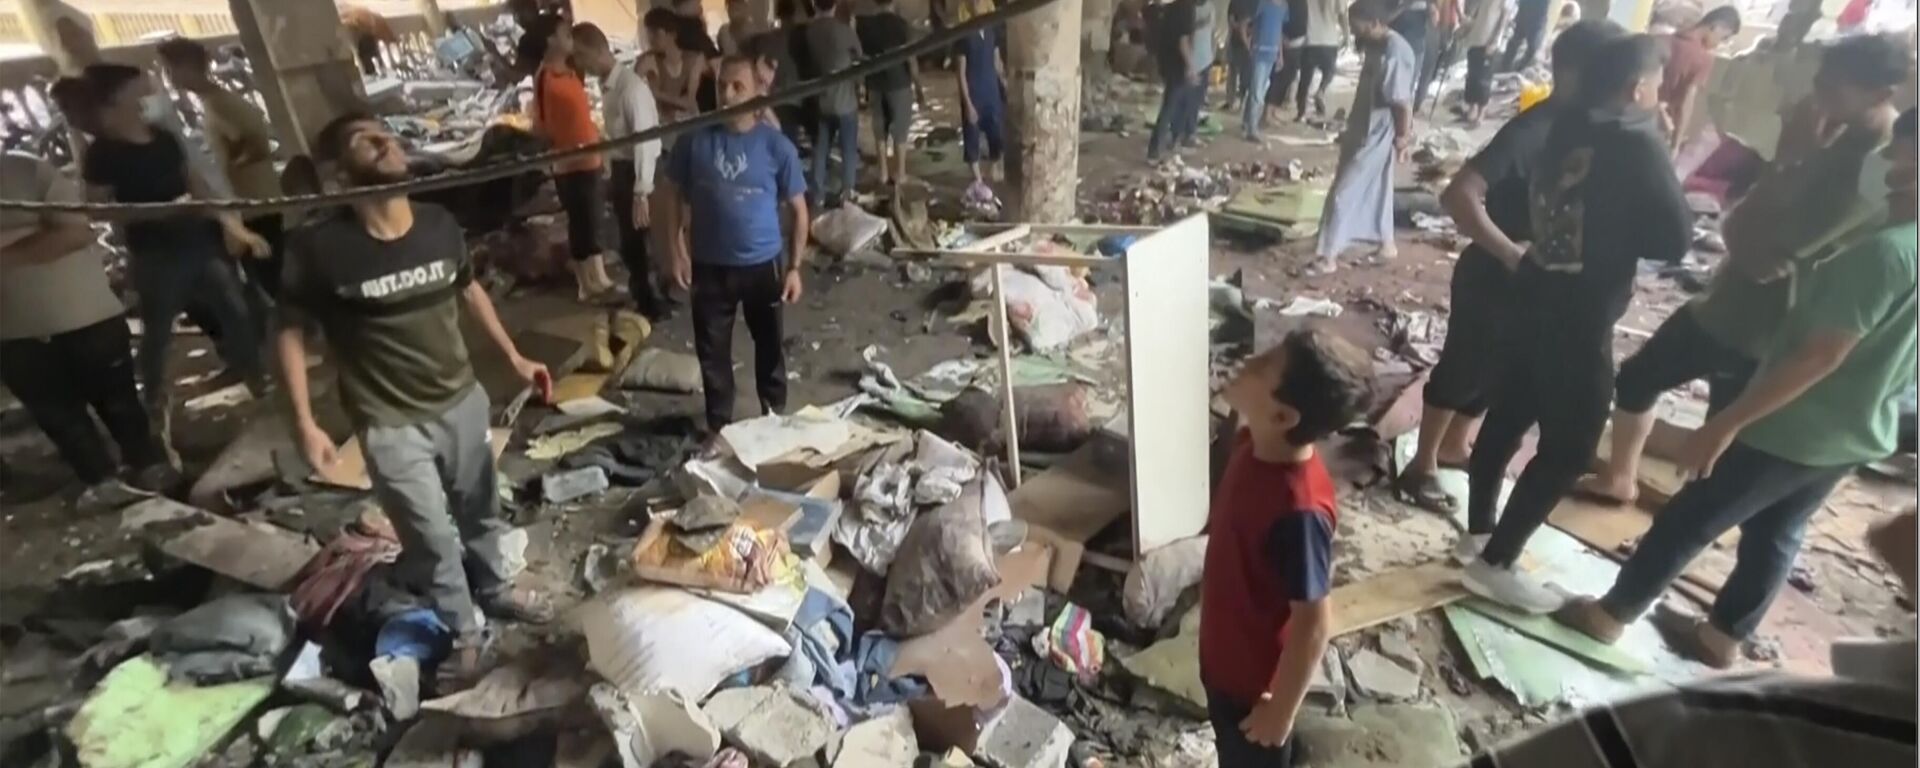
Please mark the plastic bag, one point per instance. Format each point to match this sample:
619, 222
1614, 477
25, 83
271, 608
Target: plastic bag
646, 639
945, 563
1154, 585
662, 370
1047, 317
847, 229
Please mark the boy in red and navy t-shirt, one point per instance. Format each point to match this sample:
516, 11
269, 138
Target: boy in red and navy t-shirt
1265, 617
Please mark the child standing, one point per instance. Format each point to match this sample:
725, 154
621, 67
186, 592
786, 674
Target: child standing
1267, 619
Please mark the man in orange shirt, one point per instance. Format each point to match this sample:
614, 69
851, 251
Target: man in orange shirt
564, 117
1689, 62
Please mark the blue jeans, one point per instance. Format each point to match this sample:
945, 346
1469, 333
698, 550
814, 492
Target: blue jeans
1196, 101
1257, 78
1769, 498
847, 129
1170, 127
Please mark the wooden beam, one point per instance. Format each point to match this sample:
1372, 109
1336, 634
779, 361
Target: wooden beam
1004, 237
1009, 422
1090, 229
1025, 259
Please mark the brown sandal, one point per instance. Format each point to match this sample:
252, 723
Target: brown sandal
1424, 491
1686, 634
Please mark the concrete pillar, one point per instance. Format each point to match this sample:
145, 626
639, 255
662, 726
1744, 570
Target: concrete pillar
303, 64
1799, 20
1043, 56
62, 31
431, 14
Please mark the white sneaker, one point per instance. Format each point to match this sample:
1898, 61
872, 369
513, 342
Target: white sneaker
1511, 588
1467, 549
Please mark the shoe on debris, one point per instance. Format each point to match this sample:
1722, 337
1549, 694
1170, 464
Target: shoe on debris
1509, 587
1467, 550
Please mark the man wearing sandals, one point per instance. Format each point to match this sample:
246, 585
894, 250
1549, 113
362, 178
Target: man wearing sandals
1825, 401
1488, 201
1801, 207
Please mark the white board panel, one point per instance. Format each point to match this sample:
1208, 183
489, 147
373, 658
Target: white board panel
1167, 358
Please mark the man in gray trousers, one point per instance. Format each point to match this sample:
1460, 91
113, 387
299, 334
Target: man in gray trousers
386, 279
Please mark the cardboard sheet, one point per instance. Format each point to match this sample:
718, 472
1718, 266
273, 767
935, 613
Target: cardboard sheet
261, 555
1168, 344
349, 469
578, 386
1067, 505
1560, 636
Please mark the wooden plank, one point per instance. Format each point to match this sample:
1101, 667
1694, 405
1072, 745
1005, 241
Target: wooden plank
1022, 259
1009, 422
1168, 333
1089, 229
1006, 236
1394, 594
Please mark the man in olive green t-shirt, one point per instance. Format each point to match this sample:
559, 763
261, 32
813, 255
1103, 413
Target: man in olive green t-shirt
1800, 209
1824, 402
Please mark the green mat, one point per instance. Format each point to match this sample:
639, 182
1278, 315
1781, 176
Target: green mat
135, 719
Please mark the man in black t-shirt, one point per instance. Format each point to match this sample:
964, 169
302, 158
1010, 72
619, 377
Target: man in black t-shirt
795, 16
889, 91
1172, 28
1239, 56
1488, 202
173, 260
388, 281
1604, 197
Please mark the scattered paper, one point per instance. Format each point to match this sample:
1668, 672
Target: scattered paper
759, 441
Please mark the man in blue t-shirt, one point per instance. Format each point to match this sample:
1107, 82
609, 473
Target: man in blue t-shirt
1261, 33
725, 184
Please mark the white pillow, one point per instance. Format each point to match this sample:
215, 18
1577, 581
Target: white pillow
650, 639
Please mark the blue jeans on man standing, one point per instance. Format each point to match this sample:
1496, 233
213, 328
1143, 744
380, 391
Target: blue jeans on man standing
1256, 105
1170, 125
846, 128
1190, 117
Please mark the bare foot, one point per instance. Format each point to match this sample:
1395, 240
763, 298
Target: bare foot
1585, 615
1605, 490
1694, 637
